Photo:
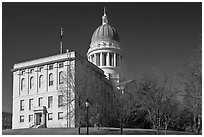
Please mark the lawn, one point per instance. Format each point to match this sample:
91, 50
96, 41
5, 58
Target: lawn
92, 131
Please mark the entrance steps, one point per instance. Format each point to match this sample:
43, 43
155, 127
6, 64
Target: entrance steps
37, 126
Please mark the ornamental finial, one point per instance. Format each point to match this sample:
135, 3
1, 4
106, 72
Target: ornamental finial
105, 17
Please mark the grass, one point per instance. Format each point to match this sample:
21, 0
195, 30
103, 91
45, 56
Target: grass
92, 131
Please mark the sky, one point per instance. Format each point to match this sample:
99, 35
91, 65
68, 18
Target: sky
153, 36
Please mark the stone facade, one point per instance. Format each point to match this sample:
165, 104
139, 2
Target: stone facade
37, 90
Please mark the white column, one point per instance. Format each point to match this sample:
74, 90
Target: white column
108, 59
114, 59
94, 59
55, 76
101, 56
36, 78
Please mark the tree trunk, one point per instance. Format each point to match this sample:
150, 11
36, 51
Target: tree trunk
121, 127
79, 130
166, 124
158, 123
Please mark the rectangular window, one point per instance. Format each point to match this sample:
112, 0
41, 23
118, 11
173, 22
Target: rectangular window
31, 71
111, 59
104, 59
40, 102
61, 65
117, 60
60, 100
30, 118
97, 59
21, 118
50, 67
50, 116
40, 69
50, 100
30, 104
60, 115
21, 105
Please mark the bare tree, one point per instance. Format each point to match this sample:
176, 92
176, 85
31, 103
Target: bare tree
70, 87
192, 80
156, 94
126, 103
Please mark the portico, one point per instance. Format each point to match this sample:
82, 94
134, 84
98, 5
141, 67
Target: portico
40, 116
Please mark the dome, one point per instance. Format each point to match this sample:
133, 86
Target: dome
105, 32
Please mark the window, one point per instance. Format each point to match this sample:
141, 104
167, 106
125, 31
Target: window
50, 79
31, 71
31, 82
22, 84
60, 100
40, 69
40, 81
21, 105
61, 65
30, 104
50, 67
60, 115
30, 118
23, 72
97, 59
50, 100
111, 59
104, 59
21, 118
50, 116
117, 60
61, 78
40, 103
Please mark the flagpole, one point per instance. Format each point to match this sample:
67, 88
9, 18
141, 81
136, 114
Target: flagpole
61, 44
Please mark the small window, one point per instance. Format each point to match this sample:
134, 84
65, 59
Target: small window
60, 115
61, 65
40, 69
50, 67
30, 104
50, 116
23, 72
50, 101
21, 105
21, 118
60, 100
40, 102
31, 71
30, 118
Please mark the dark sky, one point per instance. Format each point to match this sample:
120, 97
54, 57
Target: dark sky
153, 36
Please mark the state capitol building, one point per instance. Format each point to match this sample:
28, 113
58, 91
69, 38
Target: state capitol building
52, 91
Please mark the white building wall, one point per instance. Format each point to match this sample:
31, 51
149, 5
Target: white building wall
37, 92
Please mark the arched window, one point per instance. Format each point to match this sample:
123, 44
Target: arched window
31, 83
41, 81
50, 79
22, 84
61, 77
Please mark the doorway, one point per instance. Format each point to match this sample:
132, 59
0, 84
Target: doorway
38, 118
